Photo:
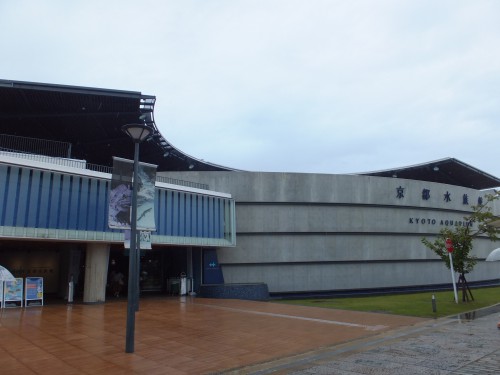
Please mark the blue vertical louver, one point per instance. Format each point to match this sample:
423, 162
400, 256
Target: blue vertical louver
32, 198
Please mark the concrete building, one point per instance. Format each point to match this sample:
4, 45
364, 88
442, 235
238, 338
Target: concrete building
295, 232
320, 233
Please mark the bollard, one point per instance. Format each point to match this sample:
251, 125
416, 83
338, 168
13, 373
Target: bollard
434, 304
70, 290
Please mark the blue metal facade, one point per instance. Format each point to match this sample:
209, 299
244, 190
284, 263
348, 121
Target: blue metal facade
189, 215
48, 199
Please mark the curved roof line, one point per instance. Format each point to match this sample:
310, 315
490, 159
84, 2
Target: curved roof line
90, 119
449, 171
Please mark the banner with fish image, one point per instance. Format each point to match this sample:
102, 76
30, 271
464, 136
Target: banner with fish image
120, 195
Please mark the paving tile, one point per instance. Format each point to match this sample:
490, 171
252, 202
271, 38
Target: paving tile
197, 336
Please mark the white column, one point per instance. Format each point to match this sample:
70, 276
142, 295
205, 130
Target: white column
96, 273
190, 284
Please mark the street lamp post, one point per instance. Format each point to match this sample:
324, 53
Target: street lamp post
138, 133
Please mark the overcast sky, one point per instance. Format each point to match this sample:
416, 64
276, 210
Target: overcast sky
281, 85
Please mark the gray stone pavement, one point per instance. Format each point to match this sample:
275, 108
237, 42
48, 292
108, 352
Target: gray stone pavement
467, 344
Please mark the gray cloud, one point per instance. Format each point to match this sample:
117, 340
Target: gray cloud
323, 86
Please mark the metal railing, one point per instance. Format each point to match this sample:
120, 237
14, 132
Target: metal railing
82, 164
74, 163
37, 146
175, 181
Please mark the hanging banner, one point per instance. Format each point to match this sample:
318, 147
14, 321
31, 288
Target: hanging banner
146, 197
120, 196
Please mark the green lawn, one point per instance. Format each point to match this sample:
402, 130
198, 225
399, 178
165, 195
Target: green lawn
414, 304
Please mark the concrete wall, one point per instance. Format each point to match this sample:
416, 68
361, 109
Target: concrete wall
316, 232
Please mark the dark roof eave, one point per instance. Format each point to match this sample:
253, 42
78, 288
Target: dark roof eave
448, 170
72, 89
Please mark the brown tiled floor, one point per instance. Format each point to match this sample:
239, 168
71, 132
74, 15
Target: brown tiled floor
173, 335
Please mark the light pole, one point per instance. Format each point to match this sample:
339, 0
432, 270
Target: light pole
138, 133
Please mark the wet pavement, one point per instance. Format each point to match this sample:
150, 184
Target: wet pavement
207, 336
464, 344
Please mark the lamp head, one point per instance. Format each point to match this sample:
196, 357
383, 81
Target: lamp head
138, 132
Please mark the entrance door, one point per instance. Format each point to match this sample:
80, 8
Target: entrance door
158, 267
151, 276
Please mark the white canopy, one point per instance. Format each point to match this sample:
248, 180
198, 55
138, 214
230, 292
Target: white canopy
494, 255
5, 274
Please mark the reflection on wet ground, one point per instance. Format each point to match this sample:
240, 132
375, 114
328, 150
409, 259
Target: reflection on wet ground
182, 336
471, 315
463, 344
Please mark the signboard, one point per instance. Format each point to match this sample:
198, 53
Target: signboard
449, 245
34, 291
212, 272
13, 293
144, 238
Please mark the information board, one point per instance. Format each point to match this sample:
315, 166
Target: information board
34, 291
13, 293
144, 238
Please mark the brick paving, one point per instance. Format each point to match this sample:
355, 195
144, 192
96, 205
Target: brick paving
206, 336
173, 335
